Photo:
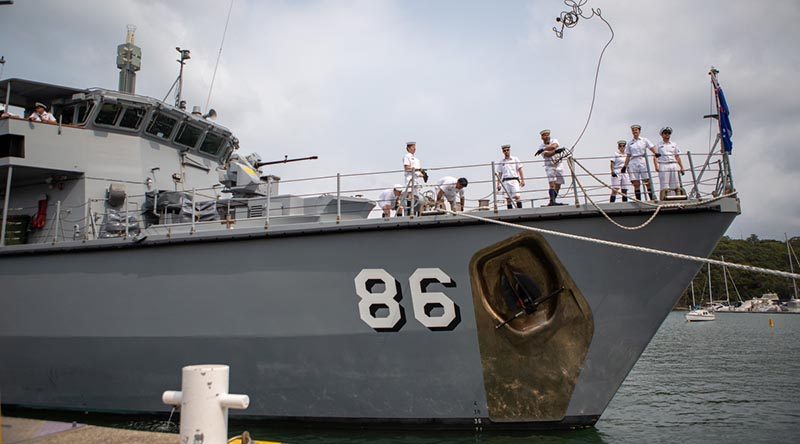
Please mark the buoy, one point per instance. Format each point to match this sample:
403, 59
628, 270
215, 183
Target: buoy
771, 323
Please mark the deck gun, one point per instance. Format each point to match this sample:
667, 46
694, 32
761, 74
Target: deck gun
286, 159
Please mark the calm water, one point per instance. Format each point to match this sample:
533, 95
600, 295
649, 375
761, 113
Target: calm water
731, 380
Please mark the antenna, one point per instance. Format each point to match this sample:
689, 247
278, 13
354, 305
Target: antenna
184, 56
129, 60
2, 65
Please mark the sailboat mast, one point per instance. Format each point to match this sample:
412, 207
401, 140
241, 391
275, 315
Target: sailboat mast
693, 304
791, 267
725, 278
710, 296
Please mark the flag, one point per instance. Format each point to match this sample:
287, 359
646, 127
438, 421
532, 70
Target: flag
725, 129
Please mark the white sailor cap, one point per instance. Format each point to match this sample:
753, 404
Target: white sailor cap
39, 105
408, 144
505, 147
397, 187
636, 126
666, 129
544, 131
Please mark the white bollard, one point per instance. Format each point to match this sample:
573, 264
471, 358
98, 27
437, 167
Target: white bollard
204, 401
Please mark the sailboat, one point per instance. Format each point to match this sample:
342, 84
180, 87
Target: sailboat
701, 314
726, 306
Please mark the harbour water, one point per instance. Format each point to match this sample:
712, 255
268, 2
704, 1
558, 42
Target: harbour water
735, 379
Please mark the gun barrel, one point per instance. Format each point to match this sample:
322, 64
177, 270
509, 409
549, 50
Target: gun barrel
274, 162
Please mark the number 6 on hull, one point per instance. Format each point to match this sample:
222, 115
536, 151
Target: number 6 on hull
424, 302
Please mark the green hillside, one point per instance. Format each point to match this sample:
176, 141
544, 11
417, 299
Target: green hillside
765, 253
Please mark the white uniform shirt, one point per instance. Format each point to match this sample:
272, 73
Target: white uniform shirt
387, 197
668, 151
508, 168
550, 162
448, 185
619, 161
44, 117
413, 161
638, 147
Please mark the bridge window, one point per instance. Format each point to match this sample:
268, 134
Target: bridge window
132, 117
161, 126
211, 144
108, 114
76, 113
188, 135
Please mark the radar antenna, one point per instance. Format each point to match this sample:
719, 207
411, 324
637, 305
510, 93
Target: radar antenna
129, 60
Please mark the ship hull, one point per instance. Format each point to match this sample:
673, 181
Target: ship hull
108, 329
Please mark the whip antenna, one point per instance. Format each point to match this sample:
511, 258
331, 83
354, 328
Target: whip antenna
219, 54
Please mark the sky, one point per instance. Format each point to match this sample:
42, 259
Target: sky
352, 80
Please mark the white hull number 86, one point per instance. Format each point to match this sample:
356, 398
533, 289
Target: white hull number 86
434, 310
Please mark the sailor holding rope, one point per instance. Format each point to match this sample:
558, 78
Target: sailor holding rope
549, 149
635, 163
414, 175
509, 172
668, 163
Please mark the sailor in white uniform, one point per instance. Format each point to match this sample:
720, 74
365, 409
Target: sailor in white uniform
413, 174
389, 200
549, 149
635, 162
619, 180
509, 173
449, 188
40, 114
668, 163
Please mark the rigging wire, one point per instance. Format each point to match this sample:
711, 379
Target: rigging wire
219, 54
569, 19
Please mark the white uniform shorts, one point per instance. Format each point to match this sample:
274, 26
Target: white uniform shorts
668, 175
637, 169
555, 175
621, 181
511, 187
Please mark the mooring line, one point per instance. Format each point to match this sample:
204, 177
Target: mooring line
630, 247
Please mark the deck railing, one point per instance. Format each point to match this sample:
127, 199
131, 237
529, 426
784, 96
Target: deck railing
702, 180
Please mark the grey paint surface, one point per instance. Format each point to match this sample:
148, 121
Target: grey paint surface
110, 329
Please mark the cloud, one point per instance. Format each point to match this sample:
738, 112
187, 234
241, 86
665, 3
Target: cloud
352, 81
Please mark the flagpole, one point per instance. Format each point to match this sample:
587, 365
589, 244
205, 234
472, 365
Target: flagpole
728, 176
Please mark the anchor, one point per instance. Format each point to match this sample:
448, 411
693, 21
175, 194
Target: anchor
521, 292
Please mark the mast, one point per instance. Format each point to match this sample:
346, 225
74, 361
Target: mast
725, 278
791, 266
710, 296
129, 60
693, 304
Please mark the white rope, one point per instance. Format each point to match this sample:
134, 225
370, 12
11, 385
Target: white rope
630, 247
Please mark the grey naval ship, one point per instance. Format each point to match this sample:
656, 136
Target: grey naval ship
137, 240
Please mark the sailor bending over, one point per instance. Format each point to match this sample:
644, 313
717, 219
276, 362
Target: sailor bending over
449, 188
510, 176
389, 200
